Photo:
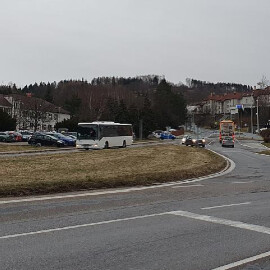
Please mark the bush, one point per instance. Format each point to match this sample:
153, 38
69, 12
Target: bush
70, 124
266, 135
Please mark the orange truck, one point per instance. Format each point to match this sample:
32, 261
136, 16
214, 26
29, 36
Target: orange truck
226, 129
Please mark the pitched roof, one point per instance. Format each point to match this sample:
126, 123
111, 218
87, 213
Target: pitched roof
215, 97
234, 95
4, 102
224, 97
261, 92
34, 103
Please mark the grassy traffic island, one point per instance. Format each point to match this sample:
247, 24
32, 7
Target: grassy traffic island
5, 148
104, 169
266, 152
266, 144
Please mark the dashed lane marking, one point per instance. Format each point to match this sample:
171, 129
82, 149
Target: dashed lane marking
239, 182
225, 205
188, 186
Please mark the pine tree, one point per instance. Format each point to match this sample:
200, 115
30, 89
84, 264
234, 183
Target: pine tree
6, 122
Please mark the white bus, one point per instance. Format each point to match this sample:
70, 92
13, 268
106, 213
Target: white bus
99, 135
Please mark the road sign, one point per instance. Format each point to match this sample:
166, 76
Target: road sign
239, 106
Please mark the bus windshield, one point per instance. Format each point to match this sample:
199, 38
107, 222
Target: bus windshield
87, 132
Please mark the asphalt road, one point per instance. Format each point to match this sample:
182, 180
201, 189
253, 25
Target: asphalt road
200, 225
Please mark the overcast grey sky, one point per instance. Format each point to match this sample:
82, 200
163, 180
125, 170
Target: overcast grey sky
213, 40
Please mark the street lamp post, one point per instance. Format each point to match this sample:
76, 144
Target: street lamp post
258, 125
251, 119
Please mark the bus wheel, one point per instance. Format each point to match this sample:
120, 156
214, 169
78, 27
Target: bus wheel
124, 144
106, 146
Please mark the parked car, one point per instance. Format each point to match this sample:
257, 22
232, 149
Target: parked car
227, 142
40, 139
6, 137
157, 133
199, 142
67, 140
167, 135
17, 136
73, 135
26, 135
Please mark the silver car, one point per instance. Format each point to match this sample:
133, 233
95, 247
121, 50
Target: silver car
227, 142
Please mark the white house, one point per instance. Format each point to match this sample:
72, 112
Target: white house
32, 113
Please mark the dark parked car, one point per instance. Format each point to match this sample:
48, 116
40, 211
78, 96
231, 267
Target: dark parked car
45, 140
199, 142
5, 137
67, 140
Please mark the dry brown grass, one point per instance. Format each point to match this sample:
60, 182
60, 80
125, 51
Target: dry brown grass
20, 148
267, 152
266, 144
104, 169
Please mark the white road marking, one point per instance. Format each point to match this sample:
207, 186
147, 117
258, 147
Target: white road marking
262, 154
108, 192
255, 145
80, 226
245, 261
227, 222
232, 150
188, 186
225, 205
231, 223
242, 182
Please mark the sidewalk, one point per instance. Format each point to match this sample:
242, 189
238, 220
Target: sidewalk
250, 136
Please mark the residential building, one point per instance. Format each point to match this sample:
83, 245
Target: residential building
5, 105
32, 113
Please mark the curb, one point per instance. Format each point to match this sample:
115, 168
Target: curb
35, 151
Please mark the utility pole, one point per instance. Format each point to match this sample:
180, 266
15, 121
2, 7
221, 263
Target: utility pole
141, 129
239, 127
251, 120
258, 126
